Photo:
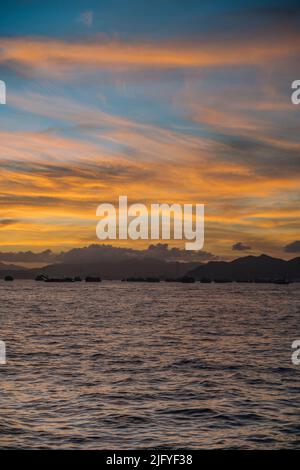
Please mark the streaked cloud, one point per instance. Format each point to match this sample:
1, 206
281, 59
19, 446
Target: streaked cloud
202, 114
40, 56
6, 222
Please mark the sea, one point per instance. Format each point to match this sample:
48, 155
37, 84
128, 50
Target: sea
118, 365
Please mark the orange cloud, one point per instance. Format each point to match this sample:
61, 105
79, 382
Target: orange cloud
52, 184
56, 57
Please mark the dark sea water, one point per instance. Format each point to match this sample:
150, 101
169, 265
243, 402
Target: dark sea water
129, 366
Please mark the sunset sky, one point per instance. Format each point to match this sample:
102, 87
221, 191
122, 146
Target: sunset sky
161, 100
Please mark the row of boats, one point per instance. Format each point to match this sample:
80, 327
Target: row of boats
183, 279
205, 280
44, 278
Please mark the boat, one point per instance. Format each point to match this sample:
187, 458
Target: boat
205, 280
8, 278
281, 281
93, 279
41, 277
64, 279
186, 280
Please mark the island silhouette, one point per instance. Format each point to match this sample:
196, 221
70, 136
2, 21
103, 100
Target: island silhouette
138, 268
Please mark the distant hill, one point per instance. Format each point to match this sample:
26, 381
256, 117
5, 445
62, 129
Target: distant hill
249, 268
10, 267
133, 267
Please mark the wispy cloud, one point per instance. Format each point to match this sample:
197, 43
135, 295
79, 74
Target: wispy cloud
6, 222
55, 180
202, 116
40, 56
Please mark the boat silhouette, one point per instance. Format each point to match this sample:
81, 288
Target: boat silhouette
186, 280
183, 279
281, 281
93, 279
64, 279
41, 277
205, 280
142, 279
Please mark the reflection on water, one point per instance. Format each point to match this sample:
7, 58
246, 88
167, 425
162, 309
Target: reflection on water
118, 365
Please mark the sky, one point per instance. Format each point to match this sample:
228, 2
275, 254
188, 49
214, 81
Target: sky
163, 101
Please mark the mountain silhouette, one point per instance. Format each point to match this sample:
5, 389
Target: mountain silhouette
133, 267
10, 267
249, 268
